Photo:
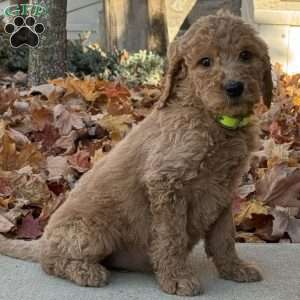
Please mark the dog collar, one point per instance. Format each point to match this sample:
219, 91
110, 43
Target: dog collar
233, 123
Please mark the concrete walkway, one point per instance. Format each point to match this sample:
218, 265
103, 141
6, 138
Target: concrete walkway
280, 265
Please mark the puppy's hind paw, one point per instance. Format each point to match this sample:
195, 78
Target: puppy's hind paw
241, 272
85, 274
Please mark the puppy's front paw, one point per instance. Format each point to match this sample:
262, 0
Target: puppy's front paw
181, 286
241, 272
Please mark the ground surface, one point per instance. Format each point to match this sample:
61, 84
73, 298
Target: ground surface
280, 264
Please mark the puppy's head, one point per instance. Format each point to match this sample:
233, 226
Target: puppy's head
227, 63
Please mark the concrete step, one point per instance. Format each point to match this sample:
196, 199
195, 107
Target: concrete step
280, 265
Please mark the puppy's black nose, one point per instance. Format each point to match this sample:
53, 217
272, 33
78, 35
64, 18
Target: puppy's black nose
234, 88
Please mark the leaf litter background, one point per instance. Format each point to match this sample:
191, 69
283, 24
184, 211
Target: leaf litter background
52, 134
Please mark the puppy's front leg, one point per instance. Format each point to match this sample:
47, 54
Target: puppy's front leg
220, 245
169, 242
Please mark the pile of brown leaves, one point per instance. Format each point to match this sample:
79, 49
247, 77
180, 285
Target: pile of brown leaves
52, 134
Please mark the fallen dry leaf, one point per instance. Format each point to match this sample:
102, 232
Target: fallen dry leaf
249, 208
33, 190
296, 101
5, 225
18, 137
8, 154
88, 88
41, 117
280, 186
30, 228
29, 156
117, 106
57, 167
285, 223
49, 91
118, 126
2, 128
80, 161
6, 203
17, 212
5, 188
247, 237
46, 138
67, 142
245, 190
65, 120
7, 97
11, 159
275, 152
263, 226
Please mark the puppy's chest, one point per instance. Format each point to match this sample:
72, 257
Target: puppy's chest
225, 159
219, 173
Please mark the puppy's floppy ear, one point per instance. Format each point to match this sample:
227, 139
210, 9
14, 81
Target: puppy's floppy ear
267, 86
176, 70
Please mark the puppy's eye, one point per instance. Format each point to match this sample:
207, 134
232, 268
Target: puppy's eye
205, 62
245, 56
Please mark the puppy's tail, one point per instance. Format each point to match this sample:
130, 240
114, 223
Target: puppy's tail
25, 250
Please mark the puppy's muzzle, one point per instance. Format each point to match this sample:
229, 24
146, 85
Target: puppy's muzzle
234, 89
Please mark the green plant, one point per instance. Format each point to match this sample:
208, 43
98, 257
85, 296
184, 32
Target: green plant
142, 67
91, 59
138, 68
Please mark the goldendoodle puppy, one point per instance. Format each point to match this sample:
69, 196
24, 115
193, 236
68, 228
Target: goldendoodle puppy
169, 183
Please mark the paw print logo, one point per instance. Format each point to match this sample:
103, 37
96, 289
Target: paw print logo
24, 31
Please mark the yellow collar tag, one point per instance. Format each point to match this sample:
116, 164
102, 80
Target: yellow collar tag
233, 123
